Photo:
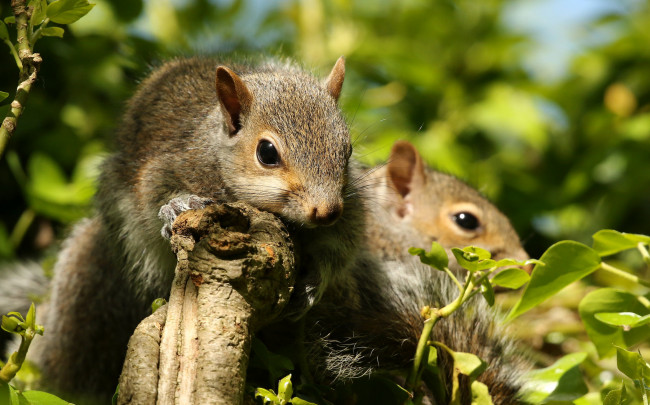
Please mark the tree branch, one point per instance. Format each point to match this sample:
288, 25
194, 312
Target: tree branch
234, 275
28, 71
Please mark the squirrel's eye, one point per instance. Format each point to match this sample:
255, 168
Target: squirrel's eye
466, 220
267, 154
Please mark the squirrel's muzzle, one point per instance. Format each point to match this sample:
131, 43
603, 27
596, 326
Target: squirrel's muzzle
324, 215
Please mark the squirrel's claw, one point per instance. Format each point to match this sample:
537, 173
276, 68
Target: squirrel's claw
175, 206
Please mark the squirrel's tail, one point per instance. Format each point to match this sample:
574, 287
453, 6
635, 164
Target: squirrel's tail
20, 285
380, 331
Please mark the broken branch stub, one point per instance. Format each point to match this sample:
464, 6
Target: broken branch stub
234, 275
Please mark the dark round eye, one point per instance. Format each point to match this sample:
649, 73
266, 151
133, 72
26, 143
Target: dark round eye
466, 220
267, 154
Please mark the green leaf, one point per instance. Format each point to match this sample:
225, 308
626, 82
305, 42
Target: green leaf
605, 336
436, 257
562, 381
10, 324
616, 396
3, 94
157, 303
4, 391
276, 364
4, 34
285, 389
622, 318
511, 278
300, 401
43, 398
38, 12
50, 194
480, 394
13, 396
564, 263
432, 357
52, 32
608, 242
466, 363
267, 396
632, 364
30, 319
487, 291
10, 20
68, 11
115, 395
473, 258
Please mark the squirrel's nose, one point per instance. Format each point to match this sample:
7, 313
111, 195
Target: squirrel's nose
325, 215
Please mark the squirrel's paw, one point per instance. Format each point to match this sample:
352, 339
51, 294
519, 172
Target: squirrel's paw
175, 206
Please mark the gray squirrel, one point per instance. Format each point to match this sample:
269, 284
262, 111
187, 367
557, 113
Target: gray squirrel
197, 132
161, 162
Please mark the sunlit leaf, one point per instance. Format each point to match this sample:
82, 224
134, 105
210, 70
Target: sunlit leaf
53, 32
68, 11
604, 336
562, 381
480, 394
300, 401
39, 8
268, 396
436, 257
10, 324
622, 318
285, 388
466, 363
3, 94
473, 258
564, 263
632, 364
511, 278
608, 242
43, 398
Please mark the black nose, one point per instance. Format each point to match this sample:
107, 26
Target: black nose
326, 215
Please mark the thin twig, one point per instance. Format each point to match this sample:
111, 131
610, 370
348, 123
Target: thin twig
30, 64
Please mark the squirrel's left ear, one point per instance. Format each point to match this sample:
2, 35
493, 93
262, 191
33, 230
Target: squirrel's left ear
405, 168
233, 96
334, 81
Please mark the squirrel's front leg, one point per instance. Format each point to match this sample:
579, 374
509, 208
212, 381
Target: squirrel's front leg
175, 206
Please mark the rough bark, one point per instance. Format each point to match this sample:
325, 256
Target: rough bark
234, 275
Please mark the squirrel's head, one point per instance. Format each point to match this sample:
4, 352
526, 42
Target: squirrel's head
445, 209
288, 144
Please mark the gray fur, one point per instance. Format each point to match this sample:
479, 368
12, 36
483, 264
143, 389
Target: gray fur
176, 144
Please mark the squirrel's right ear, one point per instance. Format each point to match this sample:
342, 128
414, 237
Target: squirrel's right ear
334, 81
405, 168
233, 96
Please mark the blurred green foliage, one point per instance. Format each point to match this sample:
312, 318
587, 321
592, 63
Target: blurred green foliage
562, 158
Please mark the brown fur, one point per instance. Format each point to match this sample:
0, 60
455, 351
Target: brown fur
373, 324
189, 131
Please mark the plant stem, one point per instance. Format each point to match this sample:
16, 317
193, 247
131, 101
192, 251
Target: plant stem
30, 63
16, 360
624, 274
644, 253
14, 52
413, 378
411, 382
21, 227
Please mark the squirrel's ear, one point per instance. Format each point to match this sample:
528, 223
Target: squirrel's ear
233, 96
405, 168
334, 81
